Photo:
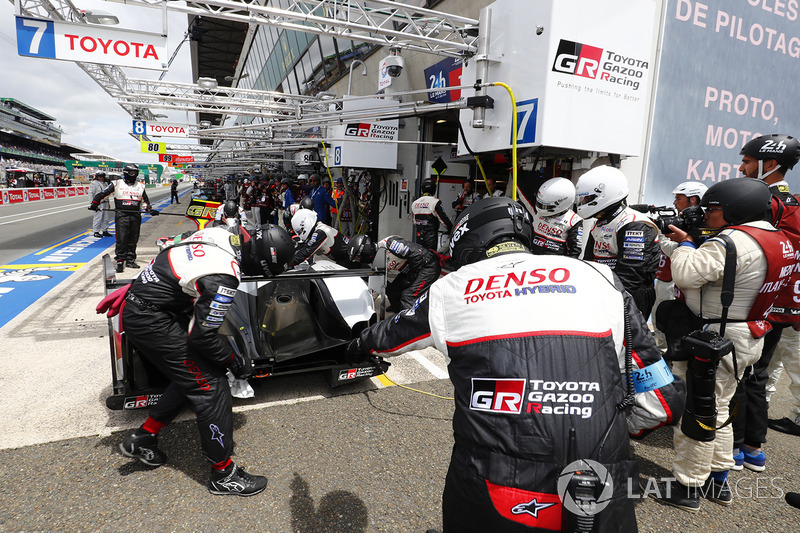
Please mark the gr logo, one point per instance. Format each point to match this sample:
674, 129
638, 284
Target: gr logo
502, 395
577, 59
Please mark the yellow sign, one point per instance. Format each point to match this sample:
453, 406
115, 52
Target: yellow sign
153, 148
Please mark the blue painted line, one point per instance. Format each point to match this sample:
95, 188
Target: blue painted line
24, 281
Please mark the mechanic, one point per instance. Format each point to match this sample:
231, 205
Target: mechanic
316, 237
492, 189
102, 216
768, 158
516, 328
322, 200
763, 259
687, 194
417, 267
622, 238
557, 230
343, 213
429, 216
229, 214
467, 197
172, 313
173, 191
130, 198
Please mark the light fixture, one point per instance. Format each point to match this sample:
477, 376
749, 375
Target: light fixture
99, 16
160, 115
207, 83
240, 77
205, 123
441, 121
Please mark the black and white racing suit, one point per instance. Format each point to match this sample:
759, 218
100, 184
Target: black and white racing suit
429, 215
129, 200
418, 268
558, 234
323, 240
172, 313
534, 346
628, 244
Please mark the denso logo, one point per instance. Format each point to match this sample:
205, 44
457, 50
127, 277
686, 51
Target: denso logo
577, 59
501, 395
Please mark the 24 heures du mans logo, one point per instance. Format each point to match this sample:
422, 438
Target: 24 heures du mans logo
497, 395
579, 59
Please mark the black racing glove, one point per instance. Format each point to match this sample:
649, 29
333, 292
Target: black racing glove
94, 207
154, 213
240, 366
355, 352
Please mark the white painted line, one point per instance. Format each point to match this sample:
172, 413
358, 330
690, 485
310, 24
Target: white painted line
262, 405
429, 366
16, 220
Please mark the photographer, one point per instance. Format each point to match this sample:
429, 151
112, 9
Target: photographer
687, 194
735, 207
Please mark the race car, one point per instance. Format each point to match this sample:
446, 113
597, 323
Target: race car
299, 321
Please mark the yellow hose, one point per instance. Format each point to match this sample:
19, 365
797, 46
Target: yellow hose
513, 137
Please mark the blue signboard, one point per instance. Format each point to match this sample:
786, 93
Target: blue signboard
445, 73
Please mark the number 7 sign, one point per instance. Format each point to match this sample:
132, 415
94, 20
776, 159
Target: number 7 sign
36, 38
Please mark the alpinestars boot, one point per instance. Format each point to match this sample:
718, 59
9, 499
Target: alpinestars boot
144, 447
130, 263
234, 480
120, 266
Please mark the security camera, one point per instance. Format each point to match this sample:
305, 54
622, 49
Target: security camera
394, 65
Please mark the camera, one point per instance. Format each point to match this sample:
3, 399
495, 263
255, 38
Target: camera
687, 220
394, 65
705, 349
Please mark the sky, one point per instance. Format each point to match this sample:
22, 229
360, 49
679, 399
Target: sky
89, 117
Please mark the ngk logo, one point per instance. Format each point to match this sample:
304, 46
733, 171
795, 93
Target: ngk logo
497, 395
578, 59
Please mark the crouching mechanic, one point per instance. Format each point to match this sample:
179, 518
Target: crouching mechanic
557, 230
536, 347
172, 312
418, 267
317, 238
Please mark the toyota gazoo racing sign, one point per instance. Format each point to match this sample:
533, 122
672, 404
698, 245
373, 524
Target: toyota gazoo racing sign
49, 39
160, 129
368, 130
588, 61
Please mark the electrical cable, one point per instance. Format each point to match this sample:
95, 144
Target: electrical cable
416, 390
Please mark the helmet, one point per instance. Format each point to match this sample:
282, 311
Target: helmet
782, 148
272, 249
307, 203
302, 177
130, 173
287, 181
741, 199
230, 209
303, 223
481, 224
361, 249
428, 186
100, 174
599, 189
555, 196
690, 188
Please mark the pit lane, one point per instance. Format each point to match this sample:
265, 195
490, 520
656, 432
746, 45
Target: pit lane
356, 458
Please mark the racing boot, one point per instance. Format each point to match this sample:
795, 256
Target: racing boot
234, 480
106, 234
144, 447
120, 266
131, 264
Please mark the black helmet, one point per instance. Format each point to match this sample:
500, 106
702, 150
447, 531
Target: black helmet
100, 174
130, 173
481, 224
741, 199
784, 149
271, 249
230, 209
307, 203
287, 181
428, 186
361, 249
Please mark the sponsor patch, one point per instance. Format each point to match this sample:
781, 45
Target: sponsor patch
634, 234
630, 255
633, 245
226, 291
634, 239
217, 305
501, 395
223, 299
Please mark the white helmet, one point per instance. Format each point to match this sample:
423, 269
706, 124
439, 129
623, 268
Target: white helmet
691, 188
555, 196
598, 189
303, 222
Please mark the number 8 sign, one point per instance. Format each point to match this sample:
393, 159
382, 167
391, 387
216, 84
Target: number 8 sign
139, 127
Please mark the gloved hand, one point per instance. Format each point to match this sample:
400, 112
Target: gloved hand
94, 207
240, 366
154, 213
113, 302
355, 352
